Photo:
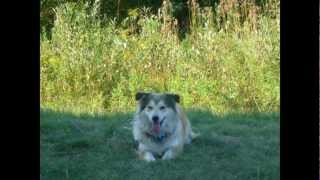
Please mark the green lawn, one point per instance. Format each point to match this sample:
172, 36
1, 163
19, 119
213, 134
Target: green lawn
83, 147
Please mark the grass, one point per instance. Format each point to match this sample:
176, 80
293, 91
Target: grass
99, 146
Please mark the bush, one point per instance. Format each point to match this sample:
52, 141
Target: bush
221, 65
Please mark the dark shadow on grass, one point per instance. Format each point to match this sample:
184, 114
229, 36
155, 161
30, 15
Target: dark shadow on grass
100, 145
86, 130
190, 113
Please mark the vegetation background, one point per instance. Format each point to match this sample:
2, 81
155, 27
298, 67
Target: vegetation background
221, 56
218, 55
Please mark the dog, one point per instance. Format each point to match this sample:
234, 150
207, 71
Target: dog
160, 127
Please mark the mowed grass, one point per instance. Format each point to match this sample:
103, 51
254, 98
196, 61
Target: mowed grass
100, 146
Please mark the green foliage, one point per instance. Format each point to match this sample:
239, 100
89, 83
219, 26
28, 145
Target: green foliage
228, 62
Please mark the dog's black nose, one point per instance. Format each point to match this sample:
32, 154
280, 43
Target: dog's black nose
155, 118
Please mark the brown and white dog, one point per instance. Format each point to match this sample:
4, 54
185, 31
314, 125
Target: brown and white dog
160, 127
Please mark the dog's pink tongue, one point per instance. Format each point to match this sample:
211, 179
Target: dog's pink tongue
156, 127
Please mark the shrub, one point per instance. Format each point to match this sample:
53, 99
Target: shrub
221, 65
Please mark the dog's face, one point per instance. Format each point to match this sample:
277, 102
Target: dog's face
157, 108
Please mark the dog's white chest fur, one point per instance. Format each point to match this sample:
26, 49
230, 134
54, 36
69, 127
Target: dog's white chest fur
157, 147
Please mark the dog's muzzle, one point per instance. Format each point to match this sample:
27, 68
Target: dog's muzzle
156, 125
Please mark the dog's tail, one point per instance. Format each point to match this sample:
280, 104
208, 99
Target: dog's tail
191, 137
194, 135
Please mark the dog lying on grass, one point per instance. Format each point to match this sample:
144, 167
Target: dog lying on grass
160, 127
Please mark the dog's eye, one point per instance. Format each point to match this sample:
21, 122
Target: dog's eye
149, 108
162, 108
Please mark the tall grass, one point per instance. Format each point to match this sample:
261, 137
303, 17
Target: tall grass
228, 62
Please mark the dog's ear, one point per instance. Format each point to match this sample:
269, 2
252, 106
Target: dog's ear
140, 95
175, 97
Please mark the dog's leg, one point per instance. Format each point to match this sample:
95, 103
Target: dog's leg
172, 152
147, 156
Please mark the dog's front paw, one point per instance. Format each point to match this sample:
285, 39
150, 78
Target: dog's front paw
167, 155
148, 157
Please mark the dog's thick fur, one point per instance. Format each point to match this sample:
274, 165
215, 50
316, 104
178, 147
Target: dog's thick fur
160, 127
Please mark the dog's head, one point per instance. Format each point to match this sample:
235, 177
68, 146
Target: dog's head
159, 109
